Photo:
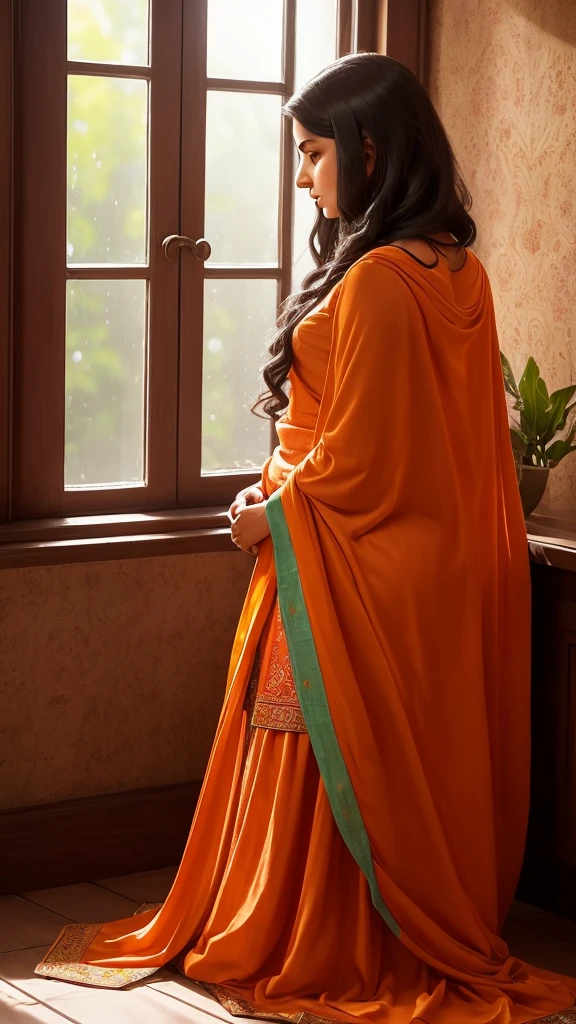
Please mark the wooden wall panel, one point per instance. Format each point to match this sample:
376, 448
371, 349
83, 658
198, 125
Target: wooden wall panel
549, 872
97, 837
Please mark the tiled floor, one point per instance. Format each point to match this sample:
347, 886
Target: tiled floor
30, 922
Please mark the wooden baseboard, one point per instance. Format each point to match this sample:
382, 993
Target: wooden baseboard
92, 838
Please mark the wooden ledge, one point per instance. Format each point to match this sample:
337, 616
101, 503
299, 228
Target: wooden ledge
104, 537
552, 540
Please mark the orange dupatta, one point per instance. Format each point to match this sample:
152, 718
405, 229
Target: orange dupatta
403, 581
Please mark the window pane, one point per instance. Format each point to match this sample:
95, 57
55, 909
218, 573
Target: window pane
106, 329
315, 38
245, 39
109, 31
238, 319
315, 49
242, 177
107, 170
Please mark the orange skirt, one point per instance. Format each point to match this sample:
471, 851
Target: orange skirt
293, 924
269, 910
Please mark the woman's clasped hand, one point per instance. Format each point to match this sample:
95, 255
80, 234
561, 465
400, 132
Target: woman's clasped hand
248, 516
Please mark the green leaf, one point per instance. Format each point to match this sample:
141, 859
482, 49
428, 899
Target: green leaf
559, 411
509, 380
558, 451
527, 389
542, 397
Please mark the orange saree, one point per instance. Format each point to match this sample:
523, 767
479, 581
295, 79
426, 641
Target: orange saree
360, 829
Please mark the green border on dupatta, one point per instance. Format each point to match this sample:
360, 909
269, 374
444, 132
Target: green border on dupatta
314, 703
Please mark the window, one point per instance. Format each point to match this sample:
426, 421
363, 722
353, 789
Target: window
155, 230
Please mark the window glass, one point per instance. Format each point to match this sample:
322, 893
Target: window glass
109, 31
245, 39
106, 333
107, 170
315, 49
239, 317
242, 177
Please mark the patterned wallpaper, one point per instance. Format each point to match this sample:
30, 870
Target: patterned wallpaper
113, 673
503, 79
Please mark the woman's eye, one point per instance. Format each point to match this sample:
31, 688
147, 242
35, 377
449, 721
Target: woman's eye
313, 156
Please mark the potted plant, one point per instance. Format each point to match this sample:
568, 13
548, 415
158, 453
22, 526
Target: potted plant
535, 419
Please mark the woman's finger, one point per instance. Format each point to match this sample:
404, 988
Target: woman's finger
255, 496
237, 507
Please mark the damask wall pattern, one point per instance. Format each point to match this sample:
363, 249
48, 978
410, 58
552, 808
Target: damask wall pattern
502, 75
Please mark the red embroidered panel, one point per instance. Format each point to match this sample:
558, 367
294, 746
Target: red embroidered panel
276, 705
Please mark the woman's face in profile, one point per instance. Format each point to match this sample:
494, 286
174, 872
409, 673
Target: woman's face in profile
317, 170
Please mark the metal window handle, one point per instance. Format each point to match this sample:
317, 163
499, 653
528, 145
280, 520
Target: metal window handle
201, 248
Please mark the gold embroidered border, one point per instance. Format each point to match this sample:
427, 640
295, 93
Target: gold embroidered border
564, 1017
71, 944
268, 715
62, 961
240, 1007
102, 977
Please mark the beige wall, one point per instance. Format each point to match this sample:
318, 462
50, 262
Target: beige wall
112, 673
503, 78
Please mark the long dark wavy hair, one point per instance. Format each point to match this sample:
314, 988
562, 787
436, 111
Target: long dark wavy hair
415, 190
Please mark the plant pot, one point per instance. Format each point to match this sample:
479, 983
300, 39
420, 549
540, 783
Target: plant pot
532, 486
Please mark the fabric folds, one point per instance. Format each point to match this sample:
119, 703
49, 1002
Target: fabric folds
360, 865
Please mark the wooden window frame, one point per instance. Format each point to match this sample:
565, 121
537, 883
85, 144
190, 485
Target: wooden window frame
393, 26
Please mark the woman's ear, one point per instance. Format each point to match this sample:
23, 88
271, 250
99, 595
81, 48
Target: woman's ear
369, 154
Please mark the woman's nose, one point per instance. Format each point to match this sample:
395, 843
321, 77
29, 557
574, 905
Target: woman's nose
303, 180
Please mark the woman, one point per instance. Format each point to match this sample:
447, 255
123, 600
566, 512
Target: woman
359, 834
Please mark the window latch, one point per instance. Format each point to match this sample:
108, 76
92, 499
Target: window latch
201, 248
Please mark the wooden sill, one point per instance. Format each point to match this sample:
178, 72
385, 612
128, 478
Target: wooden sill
552, 540
126, 535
